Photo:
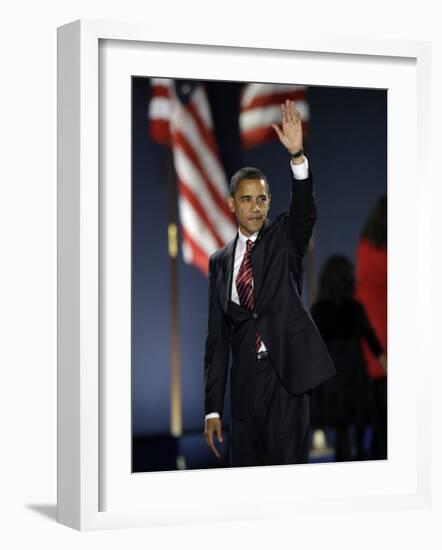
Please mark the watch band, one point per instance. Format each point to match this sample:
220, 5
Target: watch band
297, 154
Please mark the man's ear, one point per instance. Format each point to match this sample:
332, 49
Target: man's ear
231, 203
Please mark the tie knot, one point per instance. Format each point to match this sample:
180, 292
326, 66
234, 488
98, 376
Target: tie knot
249, 245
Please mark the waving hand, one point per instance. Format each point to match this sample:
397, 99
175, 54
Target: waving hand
291, 133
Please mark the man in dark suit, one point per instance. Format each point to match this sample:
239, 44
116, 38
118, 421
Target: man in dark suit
255, 311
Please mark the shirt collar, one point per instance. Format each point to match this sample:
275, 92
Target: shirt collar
243, 239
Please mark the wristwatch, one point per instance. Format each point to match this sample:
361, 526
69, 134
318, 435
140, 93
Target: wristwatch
297, 154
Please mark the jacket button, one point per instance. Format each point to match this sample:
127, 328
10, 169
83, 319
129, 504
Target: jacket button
255, 315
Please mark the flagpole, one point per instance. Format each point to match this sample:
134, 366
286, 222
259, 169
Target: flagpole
176, 422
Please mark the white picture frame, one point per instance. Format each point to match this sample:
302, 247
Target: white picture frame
82, 445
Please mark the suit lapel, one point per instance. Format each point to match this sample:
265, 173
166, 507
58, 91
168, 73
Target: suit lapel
229, 256
257, 257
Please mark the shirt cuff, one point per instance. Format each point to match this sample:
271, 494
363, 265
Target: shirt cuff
300, 171
212, 415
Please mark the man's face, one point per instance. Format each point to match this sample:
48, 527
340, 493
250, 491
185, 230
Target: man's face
250, 204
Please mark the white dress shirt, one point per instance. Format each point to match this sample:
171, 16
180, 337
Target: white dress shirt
300, 172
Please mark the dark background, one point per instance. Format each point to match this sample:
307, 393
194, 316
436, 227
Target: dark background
347, 152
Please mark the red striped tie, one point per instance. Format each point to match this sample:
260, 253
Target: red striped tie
244, 284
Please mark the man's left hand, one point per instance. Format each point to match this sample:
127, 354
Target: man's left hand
291, 133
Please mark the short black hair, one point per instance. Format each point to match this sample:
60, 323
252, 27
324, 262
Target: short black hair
337, 280
247, 173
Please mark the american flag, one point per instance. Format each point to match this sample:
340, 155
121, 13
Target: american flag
179, 115
260, 107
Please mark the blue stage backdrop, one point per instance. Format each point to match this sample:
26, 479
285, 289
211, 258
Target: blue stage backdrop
347, 151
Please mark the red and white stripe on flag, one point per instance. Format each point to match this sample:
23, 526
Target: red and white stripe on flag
206, 222
260, 107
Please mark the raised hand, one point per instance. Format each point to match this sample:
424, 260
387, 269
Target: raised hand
291, 133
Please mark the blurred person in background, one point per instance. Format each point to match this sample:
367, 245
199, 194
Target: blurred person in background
371, 291
344, 400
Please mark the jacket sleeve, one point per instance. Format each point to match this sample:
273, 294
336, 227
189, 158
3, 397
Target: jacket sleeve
216, 358
302, 215
299, 224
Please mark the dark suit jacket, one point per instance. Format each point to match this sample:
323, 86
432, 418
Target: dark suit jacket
284, 324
